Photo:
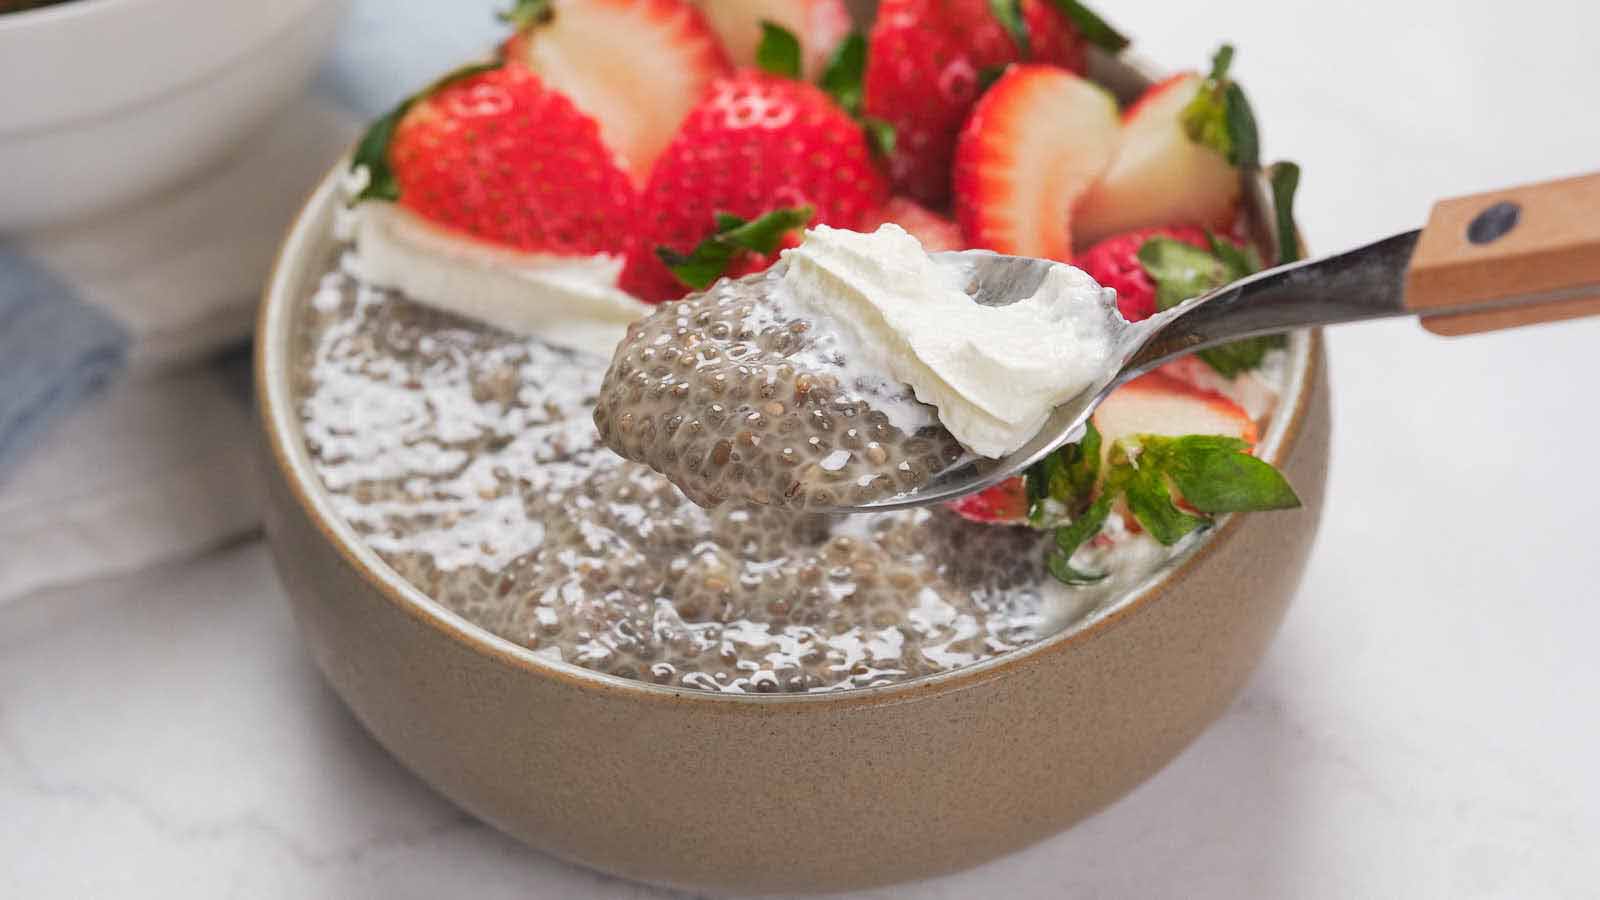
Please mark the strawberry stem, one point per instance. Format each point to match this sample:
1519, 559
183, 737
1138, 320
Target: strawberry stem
372, 153
779, 51
525, 14
1094, 29
707, 262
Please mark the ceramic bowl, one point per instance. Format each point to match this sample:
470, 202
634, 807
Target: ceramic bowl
766, 793
105, 101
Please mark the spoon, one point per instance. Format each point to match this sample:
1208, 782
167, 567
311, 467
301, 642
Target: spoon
1482, 263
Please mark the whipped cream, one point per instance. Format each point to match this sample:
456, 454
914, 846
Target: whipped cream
570, 300
993, 372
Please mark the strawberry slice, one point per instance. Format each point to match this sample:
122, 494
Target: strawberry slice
818, 24
755, 144
1162, 173
637, 66
494, 154
1159, 404
1003, 504
934, 231
1114, 262
1035, 142
926, 65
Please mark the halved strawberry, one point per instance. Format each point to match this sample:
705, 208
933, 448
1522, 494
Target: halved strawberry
1159, 404
491, 196
1161, 174
637, 66
1114, 262
1003, 504
926, 65
818, 24
755, 144
934, 231
1254, 394
1031, 147
494, 154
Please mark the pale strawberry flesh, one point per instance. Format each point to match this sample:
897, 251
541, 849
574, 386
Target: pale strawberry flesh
1160, 175
1159, 404
819, 25
637, 66
1035, 142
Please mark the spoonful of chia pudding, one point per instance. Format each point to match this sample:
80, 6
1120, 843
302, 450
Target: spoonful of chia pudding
862, 373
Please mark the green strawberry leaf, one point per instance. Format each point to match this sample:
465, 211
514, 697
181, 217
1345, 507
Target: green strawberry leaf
1242, 134
880, 135
1233, 360
842, 79
1238, 261
988, 75
779, 51
1093, 28
1064, 481
1216, 475
707, 262
372, 152
1009, 12
1144, 484
1180, 270
1285, 178
524, 14
1220, 117
1070, 537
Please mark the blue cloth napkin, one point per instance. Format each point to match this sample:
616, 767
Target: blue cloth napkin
54, 350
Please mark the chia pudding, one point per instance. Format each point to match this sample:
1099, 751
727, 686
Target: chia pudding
468, 459
730, 393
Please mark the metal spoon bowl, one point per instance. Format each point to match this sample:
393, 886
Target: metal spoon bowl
1365, 283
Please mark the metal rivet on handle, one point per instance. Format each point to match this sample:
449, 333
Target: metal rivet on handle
1494, 222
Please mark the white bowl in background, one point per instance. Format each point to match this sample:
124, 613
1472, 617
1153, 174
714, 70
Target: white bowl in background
103, 102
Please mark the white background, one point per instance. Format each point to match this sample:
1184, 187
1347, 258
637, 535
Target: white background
1426, 725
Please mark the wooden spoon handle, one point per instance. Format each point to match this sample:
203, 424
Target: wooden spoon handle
1525, 255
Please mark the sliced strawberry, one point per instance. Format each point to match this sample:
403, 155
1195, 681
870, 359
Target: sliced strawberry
1004, 504
1248, 389
926, 64
1160, 174
934, 231
1159, 404
1032, 145
497, 155
1114, 262
756, 143
818, 24
638, 66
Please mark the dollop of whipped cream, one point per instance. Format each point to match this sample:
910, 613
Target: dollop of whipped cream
569, 300
993, 372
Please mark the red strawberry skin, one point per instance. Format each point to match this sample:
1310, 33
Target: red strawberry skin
925, 62
502, 158
756, 143
1114, 262
1004, 504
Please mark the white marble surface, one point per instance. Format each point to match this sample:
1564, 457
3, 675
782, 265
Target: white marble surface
1425, 726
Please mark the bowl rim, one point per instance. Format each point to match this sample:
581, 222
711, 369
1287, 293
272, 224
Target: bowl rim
34, 39
310, 235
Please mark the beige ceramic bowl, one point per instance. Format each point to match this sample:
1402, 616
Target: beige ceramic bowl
778, 793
